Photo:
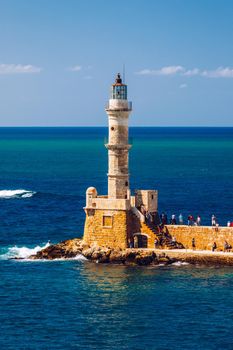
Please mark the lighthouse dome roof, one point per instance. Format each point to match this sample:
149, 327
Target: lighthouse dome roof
92, 190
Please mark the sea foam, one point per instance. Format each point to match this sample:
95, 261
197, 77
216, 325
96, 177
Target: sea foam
24, 253
21, 252
78, 257
7, 194
180, 263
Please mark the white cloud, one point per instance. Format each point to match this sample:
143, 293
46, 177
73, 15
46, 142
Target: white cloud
75, 68
183, 86
191, 72
168, 70
18, 68
220, 72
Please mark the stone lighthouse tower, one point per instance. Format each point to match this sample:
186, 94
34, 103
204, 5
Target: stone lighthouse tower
115, 220
118, 111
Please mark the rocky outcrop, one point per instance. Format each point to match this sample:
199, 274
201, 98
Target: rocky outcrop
142, 257
63, 250
73, 247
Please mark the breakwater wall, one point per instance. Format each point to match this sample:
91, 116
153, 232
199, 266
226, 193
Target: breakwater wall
204, 236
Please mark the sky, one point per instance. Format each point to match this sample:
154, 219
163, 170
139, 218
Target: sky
58, 59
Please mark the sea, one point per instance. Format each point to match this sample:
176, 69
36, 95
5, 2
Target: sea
75, 304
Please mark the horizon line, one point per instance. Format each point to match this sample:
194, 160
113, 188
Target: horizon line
106, 126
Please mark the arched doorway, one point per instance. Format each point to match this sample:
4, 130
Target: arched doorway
140, 240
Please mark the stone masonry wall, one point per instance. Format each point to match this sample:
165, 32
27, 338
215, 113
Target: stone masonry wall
125, 224
204, 236
115, 236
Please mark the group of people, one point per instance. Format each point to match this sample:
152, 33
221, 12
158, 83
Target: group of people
173, 221
194, 221
226, 247
191, 220
214, 245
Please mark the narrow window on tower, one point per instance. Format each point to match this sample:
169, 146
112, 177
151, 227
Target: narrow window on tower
107, 221
126, 183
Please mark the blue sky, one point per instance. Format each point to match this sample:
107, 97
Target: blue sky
58, 59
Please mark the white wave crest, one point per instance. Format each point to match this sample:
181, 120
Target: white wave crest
22, 252
80, 257
180, 263
6, 194
25, 252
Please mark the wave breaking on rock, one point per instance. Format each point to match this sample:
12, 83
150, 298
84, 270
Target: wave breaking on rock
16, 252
76, 248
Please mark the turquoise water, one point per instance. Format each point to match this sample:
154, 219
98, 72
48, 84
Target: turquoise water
76, 304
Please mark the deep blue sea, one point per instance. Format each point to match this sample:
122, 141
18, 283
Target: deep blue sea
44, 173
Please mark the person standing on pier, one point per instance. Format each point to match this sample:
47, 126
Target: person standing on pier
173, 220
213, 220
193, 244
214, 246
190, 220
181, 221
163, 218
198, 221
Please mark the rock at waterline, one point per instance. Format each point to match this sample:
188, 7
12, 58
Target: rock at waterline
71, 248
66, 250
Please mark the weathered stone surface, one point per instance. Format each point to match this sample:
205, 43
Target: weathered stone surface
66, 249
204, 236
70, 248
114, 236
142, 257
117, 256
199, 257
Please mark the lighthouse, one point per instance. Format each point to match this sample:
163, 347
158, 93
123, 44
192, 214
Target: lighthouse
118, 110
116, 219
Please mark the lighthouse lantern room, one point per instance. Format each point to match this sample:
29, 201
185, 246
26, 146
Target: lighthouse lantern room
119, 90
